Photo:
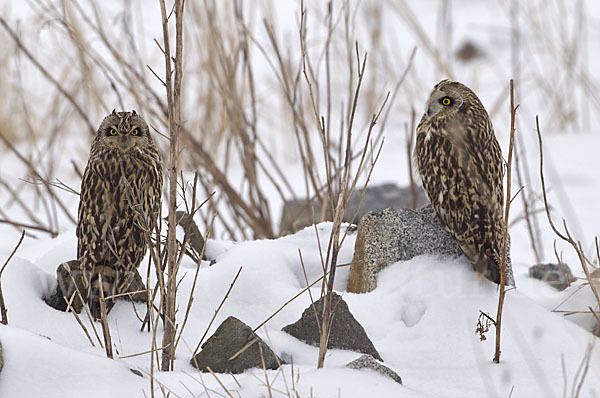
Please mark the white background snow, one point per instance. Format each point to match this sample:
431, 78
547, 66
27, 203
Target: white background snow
422, 316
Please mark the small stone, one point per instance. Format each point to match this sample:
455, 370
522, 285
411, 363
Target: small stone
230, 337
368, 362
345, 333
559, 276
398, 235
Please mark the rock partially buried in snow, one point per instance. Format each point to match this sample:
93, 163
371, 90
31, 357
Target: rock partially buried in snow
346, 333
559, 276
398, 235
228, 340
368, 362
192, 234
70, 277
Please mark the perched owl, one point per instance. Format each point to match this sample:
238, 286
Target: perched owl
118, 206
461, 166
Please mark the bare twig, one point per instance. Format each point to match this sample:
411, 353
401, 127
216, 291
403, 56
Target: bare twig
217, 311
70, 308
3, 309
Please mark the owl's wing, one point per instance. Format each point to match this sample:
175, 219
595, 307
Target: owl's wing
482, 160
88, 186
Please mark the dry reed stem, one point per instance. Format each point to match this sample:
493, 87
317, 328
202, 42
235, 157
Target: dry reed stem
219, 381
502, 293
312, 301
287, 302
244, 348
212, 319
191, 296
104, 321
85, 308
47, 74
529, 215
340, 208
262, 360
70, 308
37, 175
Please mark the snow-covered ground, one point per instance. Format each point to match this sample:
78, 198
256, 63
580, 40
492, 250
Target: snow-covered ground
421, 318
423, 315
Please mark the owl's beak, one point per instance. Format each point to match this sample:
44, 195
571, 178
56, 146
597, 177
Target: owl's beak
125, 143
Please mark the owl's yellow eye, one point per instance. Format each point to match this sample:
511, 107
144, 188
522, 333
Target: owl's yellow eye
135, 131
112, 132
446, 101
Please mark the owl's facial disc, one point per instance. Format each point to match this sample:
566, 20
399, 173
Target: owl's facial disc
443, 102
122, 140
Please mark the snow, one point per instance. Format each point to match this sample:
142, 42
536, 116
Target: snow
423, 315
421, 318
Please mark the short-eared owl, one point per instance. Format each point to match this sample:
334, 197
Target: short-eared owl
461, 166
119, 204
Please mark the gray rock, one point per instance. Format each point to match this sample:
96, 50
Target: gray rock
399, 235
192, 234
345, 333
368, 362
230, 337
297, 214
70, 276
559, 276
1, 358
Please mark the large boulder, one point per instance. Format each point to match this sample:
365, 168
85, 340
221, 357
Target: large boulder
300, 213
345, 332
398, 235
231, 337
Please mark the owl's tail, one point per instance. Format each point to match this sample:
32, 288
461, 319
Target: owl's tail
488, 267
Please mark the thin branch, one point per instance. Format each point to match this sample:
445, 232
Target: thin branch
3, 308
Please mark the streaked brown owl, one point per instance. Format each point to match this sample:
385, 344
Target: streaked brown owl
119, 204
461, 166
